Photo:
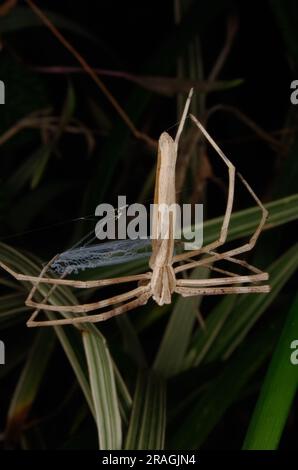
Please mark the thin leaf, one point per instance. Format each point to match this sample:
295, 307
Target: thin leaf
167, 86
203, 339
244, 222
208, 408
24, 172
147, 424
43, 155
250, 307
47, 149
170, 356
132, 345
104, 393
29, 382
278, 391
125, 400
71, 342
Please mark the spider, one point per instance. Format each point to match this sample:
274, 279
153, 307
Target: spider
162, 280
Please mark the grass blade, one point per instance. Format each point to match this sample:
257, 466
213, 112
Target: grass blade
103, 389
203, 340
171, 353
148, 419
46, 150
207, 410
131, 342
29, 383
72, 345
277, 393
244, 222
251, 306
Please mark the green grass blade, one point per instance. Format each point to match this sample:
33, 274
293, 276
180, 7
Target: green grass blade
277, 393
125, 400
148, 419
71, 343
43, 154
244, 222
171, 353
12, 309
250, 307
47, 149
103, 389
209, 407
131, 343
203, 340
29, 382
70, 340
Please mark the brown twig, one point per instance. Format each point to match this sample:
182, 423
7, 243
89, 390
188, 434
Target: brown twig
22, 124
41, 120
7, 6
266, 136
232, 27
138, 134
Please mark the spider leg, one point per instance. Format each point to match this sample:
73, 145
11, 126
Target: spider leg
230, 254
206, 263
91, 306
74, 283
226, 220
227, 255
193, 291
85, 307
220, 281
217, 257
224, 230
141, 299
184, 116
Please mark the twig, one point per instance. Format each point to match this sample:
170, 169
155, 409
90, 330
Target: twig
7, 6
41, 120
138, 134
232, 27
267, 137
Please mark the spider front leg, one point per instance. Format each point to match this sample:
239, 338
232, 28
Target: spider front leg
69, 282
224, 230
37, 281
226, 220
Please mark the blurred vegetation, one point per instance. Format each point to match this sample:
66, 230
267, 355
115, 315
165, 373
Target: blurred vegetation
201, 373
